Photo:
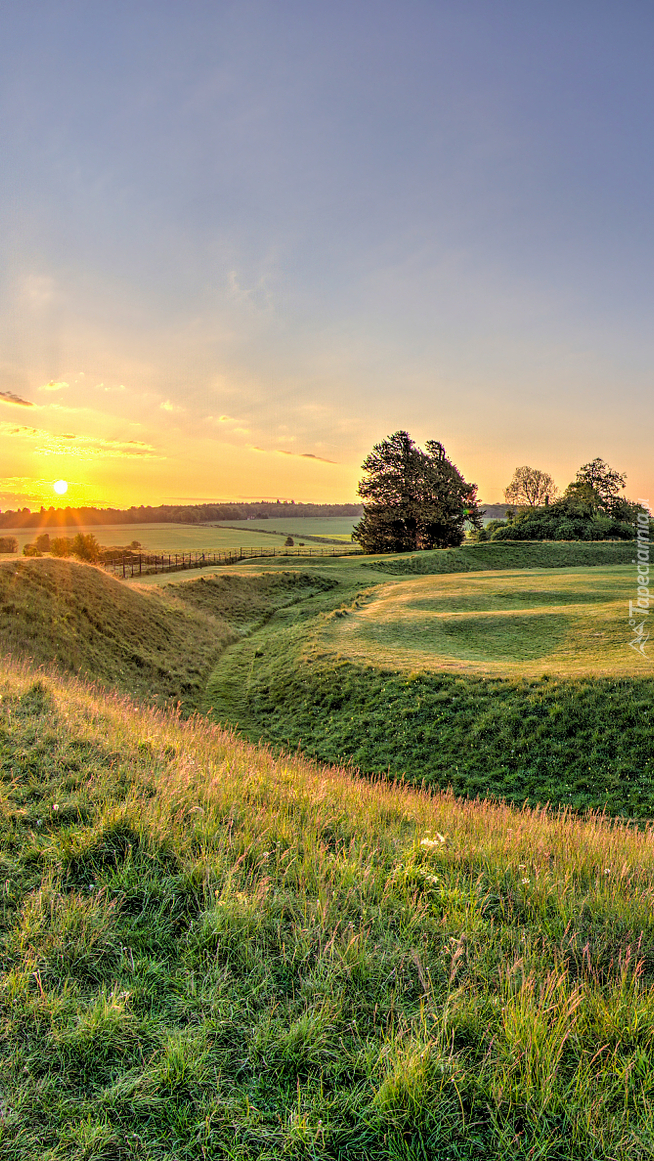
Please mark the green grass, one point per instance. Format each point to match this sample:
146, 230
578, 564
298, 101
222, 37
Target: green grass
368, 676
203, 538
508, 623
157, 643
511, 555
330, 528
209, 952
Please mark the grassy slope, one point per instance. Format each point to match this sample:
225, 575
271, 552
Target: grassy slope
474, 557
210, 953
584, 741
156, 643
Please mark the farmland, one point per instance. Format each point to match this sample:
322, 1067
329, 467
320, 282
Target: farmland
203, 537
159, 537
329, 527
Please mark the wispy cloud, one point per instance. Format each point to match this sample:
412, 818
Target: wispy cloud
304, 456
167, 405
10, 397
229, 424
70, 444
54, 386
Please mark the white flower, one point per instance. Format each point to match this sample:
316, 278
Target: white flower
428, 842
524, 880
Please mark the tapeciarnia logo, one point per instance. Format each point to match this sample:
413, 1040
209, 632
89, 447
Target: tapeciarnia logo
639, 609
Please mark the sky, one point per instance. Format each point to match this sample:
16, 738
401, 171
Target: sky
241, 242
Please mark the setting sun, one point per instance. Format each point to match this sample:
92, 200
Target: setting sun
61, 487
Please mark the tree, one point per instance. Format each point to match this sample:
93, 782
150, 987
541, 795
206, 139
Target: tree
289, 542
413, 499
61, 546
86, 547
530, 488
604, 481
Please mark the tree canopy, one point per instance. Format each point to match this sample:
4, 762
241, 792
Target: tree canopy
591, 508
530, 487
413, 499
605, 482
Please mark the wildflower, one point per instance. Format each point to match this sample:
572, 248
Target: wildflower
524, 880
607, 870
428, 842
55, 806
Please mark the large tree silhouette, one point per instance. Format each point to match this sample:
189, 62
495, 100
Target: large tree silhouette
413, 498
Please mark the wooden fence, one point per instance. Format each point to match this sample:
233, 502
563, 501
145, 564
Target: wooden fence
134, 564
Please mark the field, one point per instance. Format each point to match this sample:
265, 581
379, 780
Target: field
330, 527
160, 537
216, 949
203, 537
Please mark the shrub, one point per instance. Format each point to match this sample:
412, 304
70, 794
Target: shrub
8, 544
31, 550
289, 542
61, 546
509, 532
86, 547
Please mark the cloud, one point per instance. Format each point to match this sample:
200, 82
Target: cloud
231, 425
10, 397
53, 386
304, 456
84, 446
280, 451
171, 407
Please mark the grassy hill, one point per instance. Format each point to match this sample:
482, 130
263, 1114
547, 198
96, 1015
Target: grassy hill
520, 685
152, 642
208, 952
508, 554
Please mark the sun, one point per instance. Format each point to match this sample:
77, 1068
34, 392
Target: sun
61, 487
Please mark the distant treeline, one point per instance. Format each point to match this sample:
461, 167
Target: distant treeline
169, 514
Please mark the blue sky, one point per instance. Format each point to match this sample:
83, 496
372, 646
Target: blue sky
241, 242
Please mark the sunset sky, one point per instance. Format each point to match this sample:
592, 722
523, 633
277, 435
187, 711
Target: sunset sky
241, 242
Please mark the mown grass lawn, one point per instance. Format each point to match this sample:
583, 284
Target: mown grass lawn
512, 623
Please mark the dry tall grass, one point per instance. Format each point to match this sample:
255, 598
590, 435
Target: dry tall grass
208, 951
